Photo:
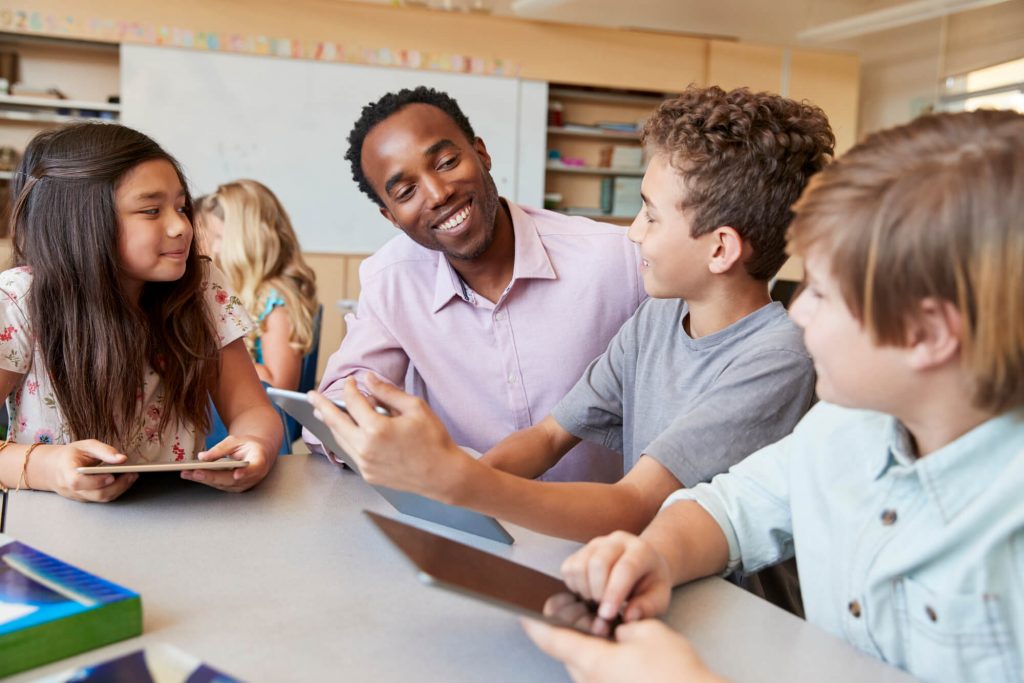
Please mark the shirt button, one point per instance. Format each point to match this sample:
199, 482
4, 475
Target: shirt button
931, 613
499, 316
854, 608
888, 517
511, 379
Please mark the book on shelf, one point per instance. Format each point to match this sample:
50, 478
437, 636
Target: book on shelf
50, 610
155, 664
620, 196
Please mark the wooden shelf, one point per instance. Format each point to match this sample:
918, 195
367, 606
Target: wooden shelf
48, 103
605, 97
594, 133
42, 117
595, 170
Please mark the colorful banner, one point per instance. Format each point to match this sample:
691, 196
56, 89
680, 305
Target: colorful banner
290, 48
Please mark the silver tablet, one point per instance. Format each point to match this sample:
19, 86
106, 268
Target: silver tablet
298, 406
223, 464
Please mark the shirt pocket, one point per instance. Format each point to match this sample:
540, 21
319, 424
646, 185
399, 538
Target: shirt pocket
957, 636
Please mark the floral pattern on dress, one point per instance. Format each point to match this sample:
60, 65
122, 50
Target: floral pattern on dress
35, 415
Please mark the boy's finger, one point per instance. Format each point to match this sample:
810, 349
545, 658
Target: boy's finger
359, 407
565, 645
624, 577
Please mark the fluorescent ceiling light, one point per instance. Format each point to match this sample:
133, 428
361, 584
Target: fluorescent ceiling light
891, 17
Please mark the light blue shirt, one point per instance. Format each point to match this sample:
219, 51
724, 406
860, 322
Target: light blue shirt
917, 562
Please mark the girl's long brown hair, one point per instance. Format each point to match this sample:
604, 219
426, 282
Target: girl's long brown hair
94, 341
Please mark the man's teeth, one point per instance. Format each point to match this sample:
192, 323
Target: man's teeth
455, 221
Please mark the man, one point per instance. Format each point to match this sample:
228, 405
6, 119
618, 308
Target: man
487, 310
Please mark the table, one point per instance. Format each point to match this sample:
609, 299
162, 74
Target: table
289, 582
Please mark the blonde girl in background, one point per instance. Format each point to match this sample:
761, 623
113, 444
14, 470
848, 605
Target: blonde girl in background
248, 232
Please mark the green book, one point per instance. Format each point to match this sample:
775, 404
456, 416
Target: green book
50, 610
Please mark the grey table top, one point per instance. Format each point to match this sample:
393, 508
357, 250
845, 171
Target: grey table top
290, 582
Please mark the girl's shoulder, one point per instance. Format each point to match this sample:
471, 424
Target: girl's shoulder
16, 282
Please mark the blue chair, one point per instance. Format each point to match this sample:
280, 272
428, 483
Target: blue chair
307, 382
307, 377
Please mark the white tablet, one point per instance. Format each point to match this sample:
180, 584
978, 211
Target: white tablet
223, 464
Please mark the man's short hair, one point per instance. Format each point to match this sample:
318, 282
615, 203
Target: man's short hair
375, 112
745, 158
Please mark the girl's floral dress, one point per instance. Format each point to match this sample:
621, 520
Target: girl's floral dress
35, 416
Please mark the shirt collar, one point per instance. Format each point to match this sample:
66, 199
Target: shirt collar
960, 471
531, 260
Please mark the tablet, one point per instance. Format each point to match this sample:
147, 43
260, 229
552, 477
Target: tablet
298, 406
471, 572
223, 464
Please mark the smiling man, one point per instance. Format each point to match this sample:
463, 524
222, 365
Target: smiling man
487, 310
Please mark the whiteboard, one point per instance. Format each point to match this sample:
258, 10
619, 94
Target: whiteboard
285, 122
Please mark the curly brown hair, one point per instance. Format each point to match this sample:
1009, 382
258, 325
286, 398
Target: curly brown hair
745, 158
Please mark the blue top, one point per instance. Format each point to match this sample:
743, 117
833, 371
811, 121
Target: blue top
918, 562
273, 300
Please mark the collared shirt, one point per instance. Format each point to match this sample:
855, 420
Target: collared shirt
489, 369
919, 562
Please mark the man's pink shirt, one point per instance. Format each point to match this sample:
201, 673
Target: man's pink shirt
489, 369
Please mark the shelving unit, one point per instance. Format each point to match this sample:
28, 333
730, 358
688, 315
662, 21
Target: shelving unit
46, 110
88, 73
582, 133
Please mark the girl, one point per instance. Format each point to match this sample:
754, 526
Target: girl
113, 331
250, 235
900, 493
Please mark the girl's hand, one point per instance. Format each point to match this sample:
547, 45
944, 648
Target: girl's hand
618, 568
643, 651
251, 450
59, 467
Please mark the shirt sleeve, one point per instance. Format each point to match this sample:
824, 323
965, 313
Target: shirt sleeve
15, 331
368, 346
230, 318
751, 504
593, 408
755, 401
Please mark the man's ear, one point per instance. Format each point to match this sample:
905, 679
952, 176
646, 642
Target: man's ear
727, 249
388, 215
934, 334
481, 151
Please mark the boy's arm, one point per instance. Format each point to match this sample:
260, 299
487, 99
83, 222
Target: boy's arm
441, 470
532, 451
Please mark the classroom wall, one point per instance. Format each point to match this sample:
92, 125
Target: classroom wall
560, 53
902, 69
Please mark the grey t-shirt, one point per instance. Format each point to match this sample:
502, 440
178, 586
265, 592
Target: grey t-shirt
697, 406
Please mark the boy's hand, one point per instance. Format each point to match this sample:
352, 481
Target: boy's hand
59, 469
251, 451
620, 569
643, 651
409, 451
